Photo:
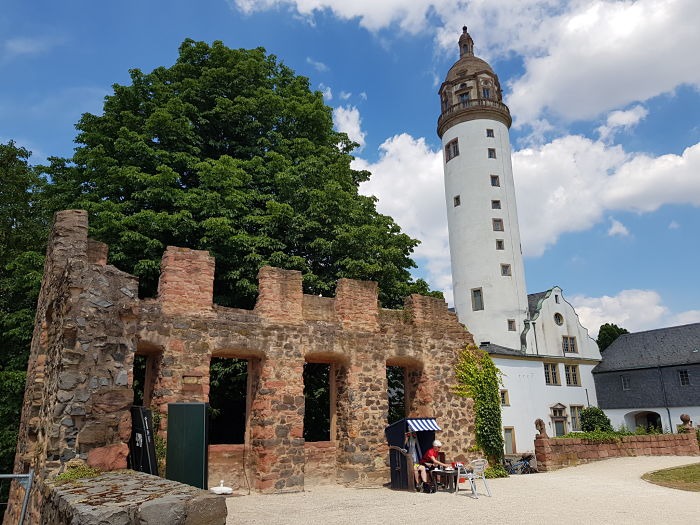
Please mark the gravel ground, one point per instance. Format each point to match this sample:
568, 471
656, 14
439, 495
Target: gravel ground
610, 491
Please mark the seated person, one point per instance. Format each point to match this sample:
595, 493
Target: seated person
431, 459
420, 473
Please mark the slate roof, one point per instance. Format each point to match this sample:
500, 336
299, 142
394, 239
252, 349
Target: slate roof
532, 300
500, 350
677, 345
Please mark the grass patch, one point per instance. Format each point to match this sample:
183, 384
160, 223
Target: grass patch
76, 473
682, 478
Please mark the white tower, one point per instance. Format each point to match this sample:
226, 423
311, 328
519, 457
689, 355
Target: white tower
488, 276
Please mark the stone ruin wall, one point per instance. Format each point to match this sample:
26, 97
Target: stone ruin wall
90, 324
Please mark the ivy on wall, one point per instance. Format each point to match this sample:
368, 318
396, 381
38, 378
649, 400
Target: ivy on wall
479, 379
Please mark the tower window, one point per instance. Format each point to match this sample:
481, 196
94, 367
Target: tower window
464, 99
477, 299
486, 93
489, 133
505, 270
451, 150
456, 200
495, 180
556, 298
495, 205
500, 245
492, 153
511, 325
498, 225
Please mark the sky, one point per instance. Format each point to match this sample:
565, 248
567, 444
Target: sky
605, 98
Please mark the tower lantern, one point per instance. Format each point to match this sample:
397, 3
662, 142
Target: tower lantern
488, 275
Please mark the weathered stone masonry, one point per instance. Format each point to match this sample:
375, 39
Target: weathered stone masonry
90, 324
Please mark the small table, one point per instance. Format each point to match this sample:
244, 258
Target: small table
447, 474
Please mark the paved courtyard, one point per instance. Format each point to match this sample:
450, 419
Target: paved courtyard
610, 491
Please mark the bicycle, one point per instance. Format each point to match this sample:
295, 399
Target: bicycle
522, 466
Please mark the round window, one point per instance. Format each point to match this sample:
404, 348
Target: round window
558, 319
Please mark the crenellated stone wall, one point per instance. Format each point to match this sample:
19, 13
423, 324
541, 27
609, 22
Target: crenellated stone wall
91, 324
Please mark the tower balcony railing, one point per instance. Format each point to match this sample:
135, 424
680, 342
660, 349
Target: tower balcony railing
473, 108
477, 103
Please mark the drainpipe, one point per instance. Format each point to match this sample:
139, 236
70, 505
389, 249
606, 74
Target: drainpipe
534, 331
663, 389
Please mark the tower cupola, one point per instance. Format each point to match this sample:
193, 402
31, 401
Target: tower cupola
466, 44
471, 90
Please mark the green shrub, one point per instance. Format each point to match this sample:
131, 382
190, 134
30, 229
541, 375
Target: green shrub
497, 471
593, 418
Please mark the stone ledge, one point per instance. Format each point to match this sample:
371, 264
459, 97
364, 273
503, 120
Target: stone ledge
128, 497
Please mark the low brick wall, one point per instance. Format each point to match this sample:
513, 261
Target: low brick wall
553, 454
124, 498
226, 463
320, 459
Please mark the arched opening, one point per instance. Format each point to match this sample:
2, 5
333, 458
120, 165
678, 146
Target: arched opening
646, 419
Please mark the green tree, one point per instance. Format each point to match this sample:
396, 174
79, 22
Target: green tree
230, 151
22, 239
607, 334
593, 418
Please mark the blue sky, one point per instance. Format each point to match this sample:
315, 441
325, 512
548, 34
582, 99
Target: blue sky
604, 94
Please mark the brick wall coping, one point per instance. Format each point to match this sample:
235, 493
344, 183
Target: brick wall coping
556, 453
126, 497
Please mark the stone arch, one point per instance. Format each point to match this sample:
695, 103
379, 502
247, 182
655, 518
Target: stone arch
643, 418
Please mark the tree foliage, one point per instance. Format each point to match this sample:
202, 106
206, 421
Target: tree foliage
607, 334
229, 151
478, 378
22, 240
594, 419
23, 232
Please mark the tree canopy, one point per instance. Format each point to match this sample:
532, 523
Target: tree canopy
607, 334
229, 150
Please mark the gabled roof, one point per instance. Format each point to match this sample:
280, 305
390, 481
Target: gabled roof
533, 300
676, 345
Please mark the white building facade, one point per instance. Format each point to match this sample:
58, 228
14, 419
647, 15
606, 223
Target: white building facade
537, 341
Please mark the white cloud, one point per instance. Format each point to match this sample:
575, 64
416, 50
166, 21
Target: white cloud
344, 95
372, 15
621, 120
347, 120
326, 91
408, 181
23, 46
613, 45
634, 310
617, 228
318, 66
673, 225
570, 183
363, 95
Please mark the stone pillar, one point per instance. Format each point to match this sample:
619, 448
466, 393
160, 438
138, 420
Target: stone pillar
280, 295
277, 422
356, 305
361, 419
186, 284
